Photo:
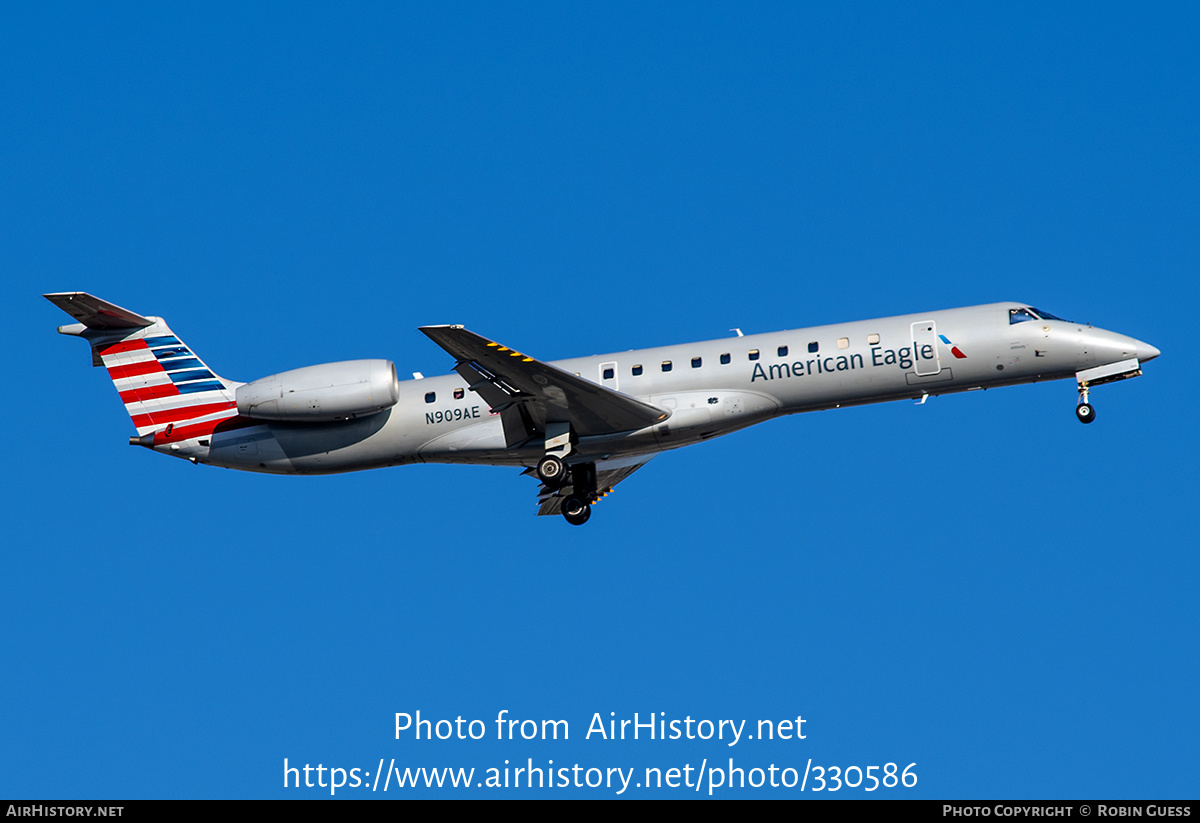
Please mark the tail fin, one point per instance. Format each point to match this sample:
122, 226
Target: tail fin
164, 385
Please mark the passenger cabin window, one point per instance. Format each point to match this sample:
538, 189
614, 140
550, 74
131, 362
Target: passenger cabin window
813, 348
754, 354
872, 339
781, 351
1019, 316
666, 365
725, 359
430, 396
843, 342
458, 394
637, 370
608, 374
695, 362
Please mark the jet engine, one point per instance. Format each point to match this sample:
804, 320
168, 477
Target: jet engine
331, 391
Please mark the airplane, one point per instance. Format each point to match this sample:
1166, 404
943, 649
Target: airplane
580, 426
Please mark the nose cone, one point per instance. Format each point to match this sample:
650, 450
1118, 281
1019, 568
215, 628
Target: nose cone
1110, 347
1145, 352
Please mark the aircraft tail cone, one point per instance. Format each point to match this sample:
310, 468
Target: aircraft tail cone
146, 440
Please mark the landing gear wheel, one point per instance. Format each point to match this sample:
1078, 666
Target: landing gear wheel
1085, 412
552, 471
576, 511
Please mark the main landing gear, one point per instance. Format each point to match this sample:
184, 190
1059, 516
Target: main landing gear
555, 474
577, 505
577, 485
552, 471
576, 510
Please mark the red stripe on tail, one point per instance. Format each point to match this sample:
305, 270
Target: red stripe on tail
128, 345
149, 393
165, 416
135, 369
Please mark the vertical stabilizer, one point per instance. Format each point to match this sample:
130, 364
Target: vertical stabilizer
161, 381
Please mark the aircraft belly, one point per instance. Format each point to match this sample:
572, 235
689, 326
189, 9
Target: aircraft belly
482, 442
253, 449
701, 415
319, 448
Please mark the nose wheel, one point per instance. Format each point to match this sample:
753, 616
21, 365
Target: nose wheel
1084, 411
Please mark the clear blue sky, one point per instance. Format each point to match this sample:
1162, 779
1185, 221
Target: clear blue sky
295, 183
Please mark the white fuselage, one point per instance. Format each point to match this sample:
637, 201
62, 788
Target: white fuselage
710, 388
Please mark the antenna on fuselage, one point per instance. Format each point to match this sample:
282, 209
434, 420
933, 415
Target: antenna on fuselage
739, 332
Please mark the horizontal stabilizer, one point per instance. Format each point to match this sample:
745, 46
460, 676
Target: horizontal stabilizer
96, 313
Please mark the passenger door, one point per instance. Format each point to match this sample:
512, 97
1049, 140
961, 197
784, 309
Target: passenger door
924, 336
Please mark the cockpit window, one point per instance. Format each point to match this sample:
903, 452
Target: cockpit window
1045, 315
1019, 316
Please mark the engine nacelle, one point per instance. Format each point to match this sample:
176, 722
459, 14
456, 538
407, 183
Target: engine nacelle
331, 391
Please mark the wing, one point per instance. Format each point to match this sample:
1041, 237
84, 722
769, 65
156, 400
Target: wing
528, 393
608, 474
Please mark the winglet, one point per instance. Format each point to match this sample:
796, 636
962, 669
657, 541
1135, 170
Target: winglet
96, 313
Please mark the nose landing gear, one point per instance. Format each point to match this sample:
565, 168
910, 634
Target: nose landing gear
1084, 410
1089, 378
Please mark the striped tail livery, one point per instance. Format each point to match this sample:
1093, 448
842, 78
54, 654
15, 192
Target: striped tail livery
168, 391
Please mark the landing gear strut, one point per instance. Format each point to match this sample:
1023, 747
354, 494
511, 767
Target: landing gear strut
1084, 410
551, 469
1098, 376
575, 484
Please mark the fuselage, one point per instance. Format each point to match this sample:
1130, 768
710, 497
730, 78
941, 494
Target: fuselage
710, 388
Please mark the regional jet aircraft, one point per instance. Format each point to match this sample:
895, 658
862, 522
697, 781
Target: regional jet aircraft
582, 425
